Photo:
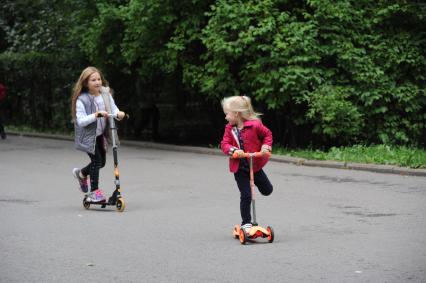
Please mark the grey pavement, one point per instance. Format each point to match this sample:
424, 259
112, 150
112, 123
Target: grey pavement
331, 225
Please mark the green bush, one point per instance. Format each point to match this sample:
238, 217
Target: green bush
324, 72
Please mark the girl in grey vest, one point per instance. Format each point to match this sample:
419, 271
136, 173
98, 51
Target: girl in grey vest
89, 112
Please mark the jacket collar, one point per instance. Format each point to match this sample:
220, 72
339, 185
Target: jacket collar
249, 123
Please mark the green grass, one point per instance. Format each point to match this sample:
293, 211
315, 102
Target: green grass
376, 154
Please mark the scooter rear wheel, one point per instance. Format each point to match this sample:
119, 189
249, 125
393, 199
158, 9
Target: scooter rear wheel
271, 234
236, 232
120, 205
85, 203
243, 237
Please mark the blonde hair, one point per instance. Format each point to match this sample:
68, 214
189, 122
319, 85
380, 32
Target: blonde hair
81, 86
240, 104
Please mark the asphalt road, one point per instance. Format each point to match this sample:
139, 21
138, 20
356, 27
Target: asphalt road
330, 225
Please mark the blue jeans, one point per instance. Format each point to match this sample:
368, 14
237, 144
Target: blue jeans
243, 181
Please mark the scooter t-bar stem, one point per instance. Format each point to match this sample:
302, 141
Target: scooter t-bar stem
111, 118
113, 130
253, 195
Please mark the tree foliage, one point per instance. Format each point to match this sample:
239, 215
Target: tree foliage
322, 60
37, 60
324, 72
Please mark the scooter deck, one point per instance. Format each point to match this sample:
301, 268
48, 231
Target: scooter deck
101, 203
254, 232
104, 202
117, 202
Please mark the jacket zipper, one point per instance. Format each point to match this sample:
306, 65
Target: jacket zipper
91, 107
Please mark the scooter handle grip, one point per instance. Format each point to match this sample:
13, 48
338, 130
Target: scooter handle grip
127, 116
241, 155
261, 154
246, 154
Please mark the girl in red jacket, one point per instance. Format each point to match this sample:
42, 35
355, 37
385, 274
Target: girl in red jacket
246, 133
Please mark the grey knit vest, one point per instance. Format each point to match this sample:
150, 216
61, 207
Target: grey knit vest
85, 137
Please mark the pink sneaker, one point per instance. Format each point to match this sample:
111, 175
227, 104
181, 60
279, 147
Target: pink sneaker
96, 196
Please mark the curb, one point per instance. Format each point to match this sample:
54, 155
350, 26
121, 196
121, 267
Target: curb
388, 169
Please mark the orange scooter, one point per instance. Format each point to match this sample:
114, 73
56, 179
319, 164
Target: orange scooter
255, 231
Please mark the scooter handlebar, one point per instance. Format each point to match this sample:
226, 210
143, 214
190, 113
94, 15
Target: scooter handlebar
248, 154
127, 116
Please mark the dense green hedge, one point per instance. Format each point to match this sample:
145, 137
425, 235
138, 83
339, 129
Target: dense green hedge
323, 72
353, 70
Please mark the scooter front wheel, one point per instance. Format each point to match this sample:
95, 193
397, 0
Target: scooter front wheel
120, 205
271, 234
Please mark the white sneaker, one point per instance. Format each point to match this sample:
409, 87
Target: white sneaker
246, 227
83, 183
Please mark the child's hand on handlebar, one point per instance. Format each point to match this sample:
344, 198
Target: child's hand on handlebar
120, 115
101, 114
238, 152
265, 148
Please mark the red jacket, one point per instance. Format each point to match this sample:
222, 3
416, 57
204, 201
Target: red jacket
254, 135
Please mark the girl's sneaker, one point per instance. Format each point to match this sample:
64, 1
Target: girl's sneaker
96, 196
84, 184
246, 227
